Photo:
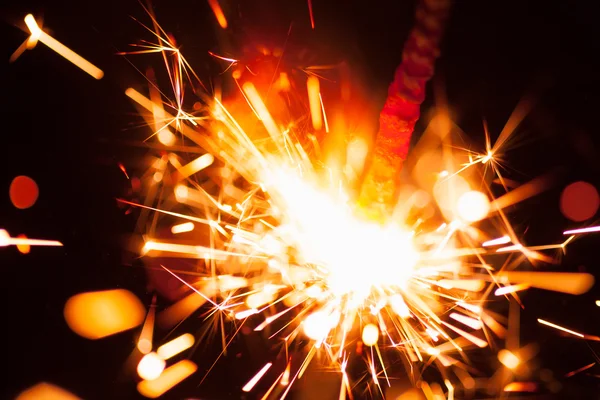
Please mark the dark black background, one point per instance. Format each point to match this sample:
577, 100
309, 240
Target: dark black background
69, 133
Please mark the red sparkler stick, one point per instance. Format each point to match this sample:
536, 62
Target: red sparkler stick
402, 108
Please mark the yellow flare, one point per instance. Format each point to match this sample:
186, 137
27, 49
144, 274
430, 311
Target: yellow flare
370, 334
151, 366
38, 35
95, 315
589, 229
313, 87
168, 379
176, 346
510, 360
468, 321
46, 391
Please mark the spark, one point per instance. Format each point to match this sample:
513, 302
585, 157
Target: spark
560, 328
182, 228
590, 229
37, 34
6, 240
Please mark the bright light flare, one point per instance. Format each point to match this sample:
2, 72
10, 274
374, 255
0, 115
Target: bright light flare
182, 228
216, 8
151, 366
370, 334
473, 206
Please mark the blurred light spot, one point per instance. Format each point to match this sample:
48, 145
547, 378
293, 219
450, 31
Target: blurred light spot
176, 346
370, 334
95, 315
46, 391
182, 228
166, 137
169, 378
23, 192
521, 387
23, 248
151, 366
509, 360
579, 201
473, 206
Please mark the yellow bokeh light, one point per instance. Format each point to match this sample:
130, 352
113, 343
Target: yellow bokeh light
166, 137
370, 334
473, 206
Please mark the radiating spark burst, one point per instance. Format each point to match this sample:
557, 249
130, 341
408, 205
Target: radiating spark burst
310, 265
286, 246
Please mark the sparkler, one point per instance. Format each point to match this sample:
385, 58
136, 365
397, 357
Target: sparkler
397, 273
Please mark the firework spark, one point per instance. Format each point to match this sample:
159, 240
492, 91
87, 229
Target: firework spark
287, 243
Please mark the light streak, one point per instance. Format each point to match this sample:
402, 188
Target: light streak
252, 382
175, 346
169, 378
560, 328
579, 231
6, 240
216, 8
37, 34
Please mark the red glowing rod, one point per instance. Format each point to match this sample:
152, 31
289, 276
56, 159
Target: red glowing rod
402, 107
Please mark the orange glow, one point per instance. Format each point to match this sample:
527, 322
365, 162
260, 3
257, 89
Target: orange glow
23, 248
216, 8
151, 366
37, 33
579, 201
95, 315
23, 192
176, 346
167, 380
46, 391
510, 360
314, 100
521, 387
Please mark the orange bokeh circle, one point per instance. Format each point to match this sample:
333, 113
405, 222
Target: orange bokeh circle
23, 192
579, 201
